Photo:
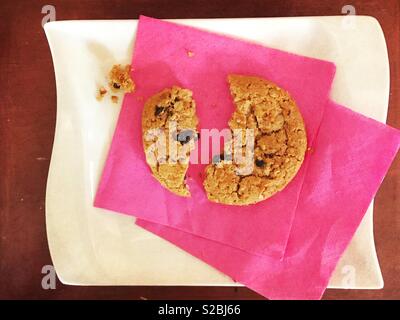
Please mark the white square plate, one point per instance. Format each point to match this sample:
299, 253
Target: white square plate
92, 247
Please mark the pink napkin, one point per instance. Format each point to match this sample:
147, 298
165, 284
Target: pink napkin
351, 156
161, 59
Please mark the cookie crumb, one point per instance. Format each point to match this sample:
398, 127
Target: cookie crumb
120, 79
101, 93
114, 99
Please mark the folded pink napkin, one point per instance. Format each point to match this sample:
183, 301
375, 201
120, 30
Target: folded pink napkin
350, 158
168, 54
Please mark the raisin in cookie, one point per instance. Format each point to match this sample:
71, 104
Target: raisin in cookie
278, 145
169, 127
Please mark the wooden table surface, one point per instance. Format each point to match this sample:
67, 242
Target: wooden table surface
27, 121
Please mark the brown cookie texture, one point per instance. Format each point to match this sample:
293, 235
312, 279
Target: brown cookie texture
169, 132
279, 144
120, 79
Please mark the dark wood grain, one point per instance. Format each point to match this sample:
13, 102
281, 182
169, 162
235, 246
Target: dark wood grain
27, 115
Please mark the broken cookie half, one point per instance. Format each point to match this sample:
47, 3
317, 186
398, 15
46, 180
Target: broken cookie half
278, 136
169, 131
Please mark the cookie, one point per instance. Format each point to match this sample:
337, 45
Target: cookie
169, 128
120, 79
279, 144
